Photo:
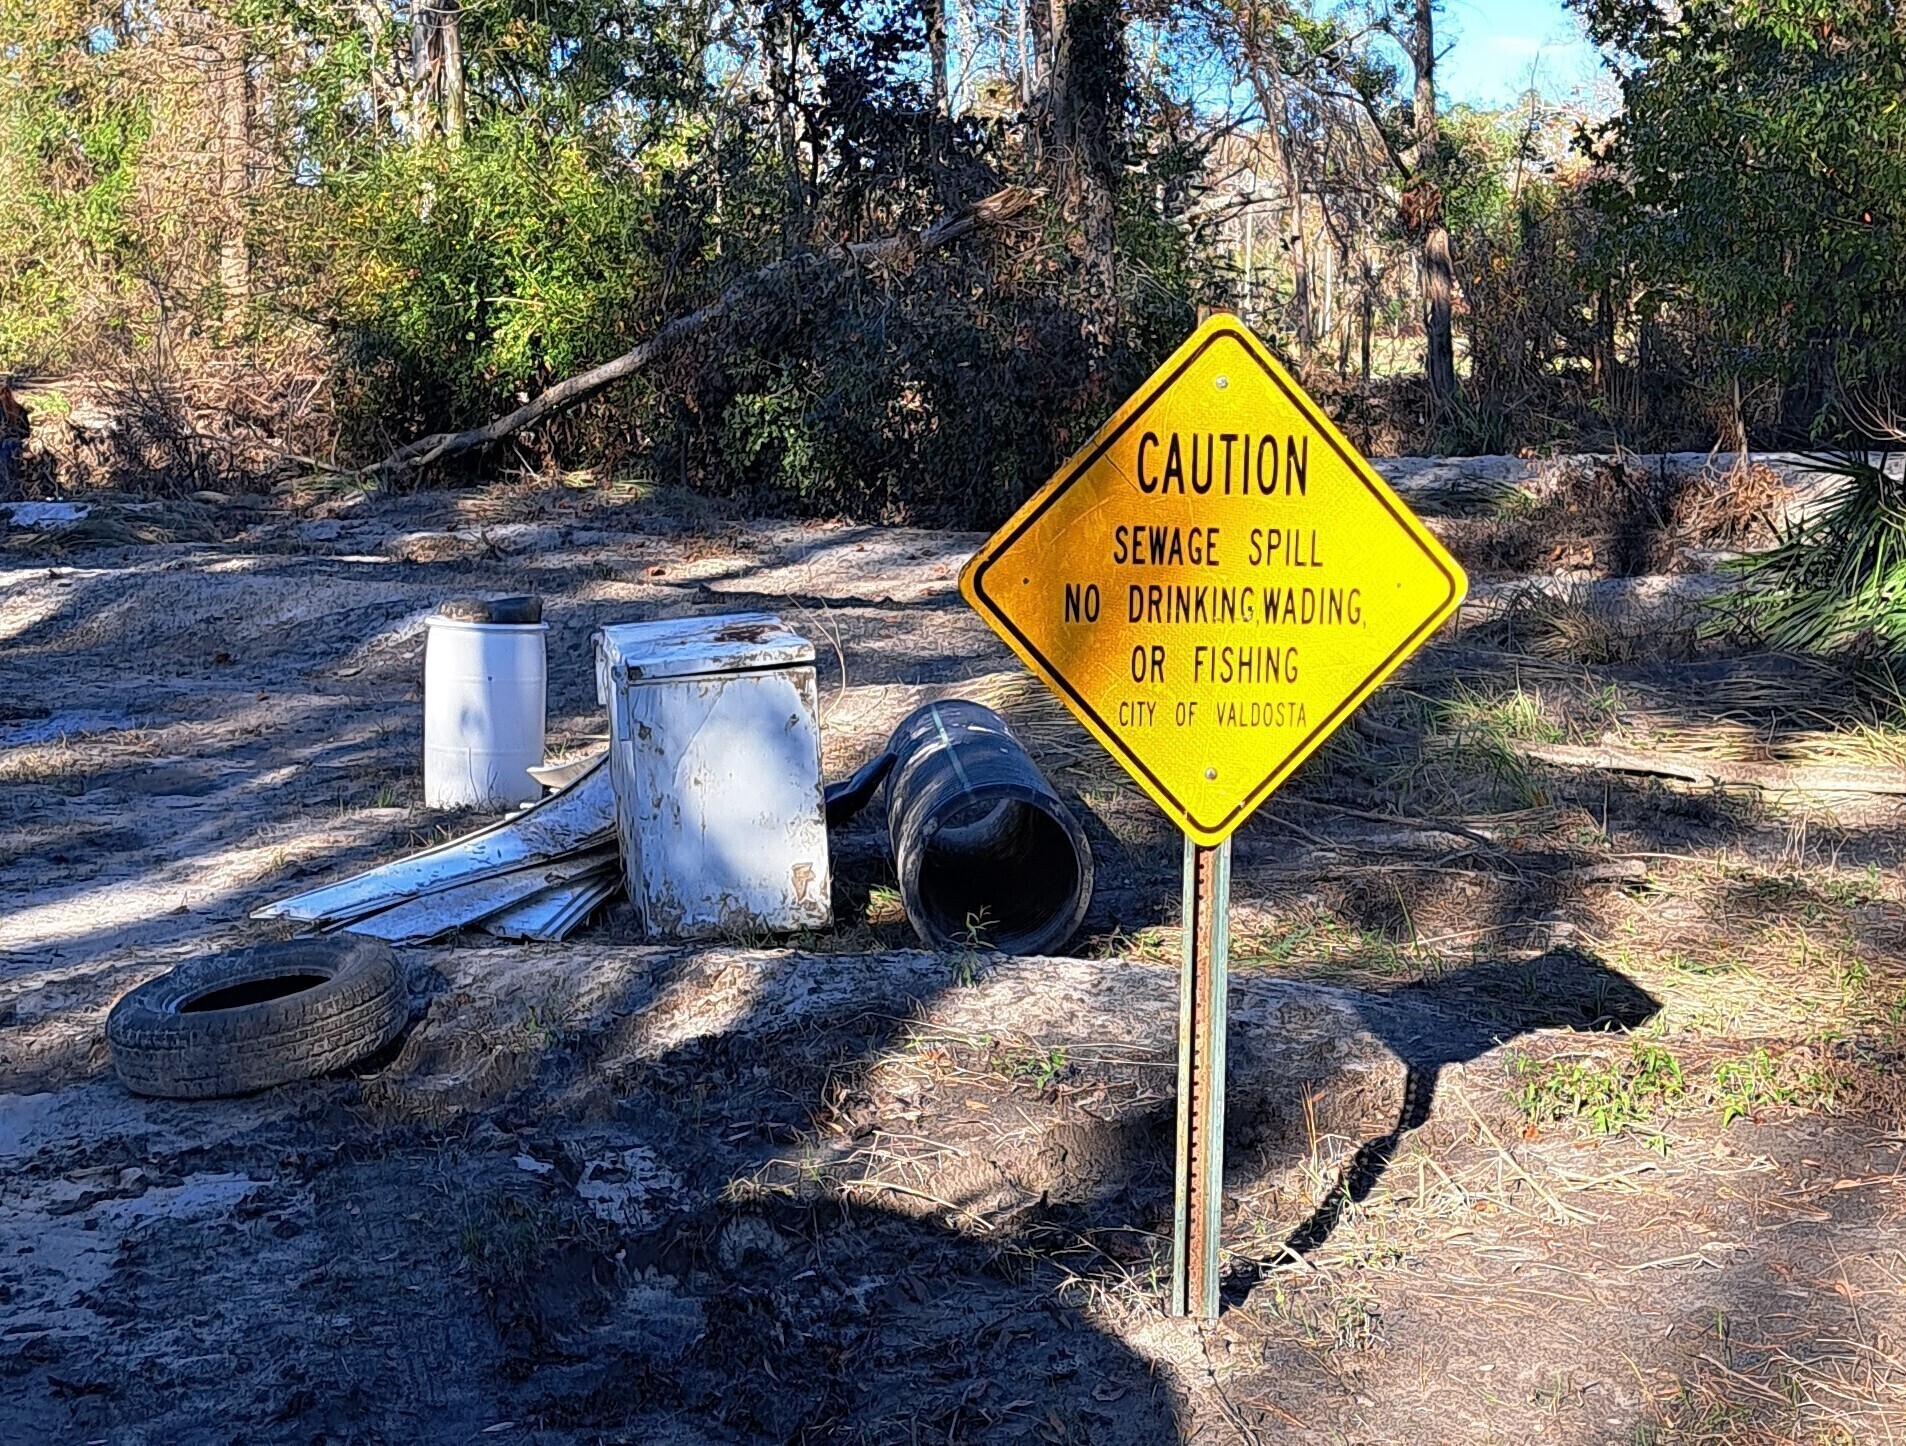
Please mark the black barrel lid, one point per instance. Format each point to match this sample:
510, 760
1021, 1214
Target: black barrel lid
524, 609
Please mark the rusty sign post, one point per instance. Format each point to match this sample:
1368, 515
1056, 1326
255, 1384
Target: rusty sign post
1203, 985
1211, 585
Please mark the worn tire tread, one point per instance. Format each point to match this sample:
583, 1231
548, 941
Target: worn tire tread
359, 1008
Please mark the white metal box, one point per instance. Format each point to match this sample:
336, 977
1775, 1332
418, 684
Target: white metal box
715, 753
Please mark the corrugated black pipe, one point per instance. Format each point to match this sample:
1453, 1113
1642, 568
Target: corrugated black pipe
986, 852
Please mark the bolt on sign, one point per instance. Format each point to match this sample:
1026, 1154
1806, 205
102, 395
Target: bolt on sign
1214, 581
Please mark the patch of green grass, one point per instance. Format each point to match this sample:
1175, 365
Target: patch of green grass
541, 1033
1850, 974
1632, 1091
1015, 1062
1373, 951
1477, 730
500, 1239
1487, 718
1275, 945
1610, 1097
1511, 503
1049, 1068
1319, 945
1324, 1319
978, 925
1707, 966
1851, 890
1154, 945
1604, 708
48, 403
1744, 1087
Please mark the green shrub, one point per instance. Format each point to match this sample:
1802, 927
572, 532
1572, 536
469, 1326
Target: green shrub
464, 275
1835, 580
72, 137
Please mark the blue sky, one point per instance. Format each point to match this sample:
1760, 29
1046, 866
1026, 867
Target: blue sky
1492, 45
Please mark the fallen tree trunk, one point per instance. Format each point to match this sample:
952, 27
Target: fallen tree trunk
895, 250
1722, 773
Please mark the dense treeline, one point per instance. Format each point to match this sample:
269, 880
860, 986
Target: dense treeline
348, 224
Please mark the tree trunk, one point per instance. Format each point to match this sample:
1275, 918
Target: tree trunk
1038, 21
1604, 362
934, 13
940, 113
1330, 291
1250, 246
436, 64
1083, 101
233, 90
1343, 346
1300, 269
369, 15
780, 41
1367, 317
1439, 280
451, 84
1270, 96
1025, 55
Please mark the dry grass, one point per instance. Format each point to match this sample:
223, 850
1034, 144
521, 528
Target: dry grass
953, 1123
1577, 625
1310, 942
69, 759
1616, 518
117, 520
1781, 709
1455, 743
55, 765
1750, 1386
1739, 951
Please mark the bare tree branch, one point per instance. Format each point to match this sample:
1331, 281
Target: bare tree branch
888, 251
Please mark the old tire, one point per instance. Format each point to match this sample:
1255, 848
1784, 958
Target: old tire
228, 1024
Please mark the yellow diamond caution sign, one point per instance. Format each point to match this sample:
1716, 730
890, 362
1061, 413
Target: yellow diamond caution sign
1214, 581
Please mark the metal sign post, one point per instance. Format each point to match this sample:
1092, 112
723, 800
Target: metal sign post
1202, 990
1211, 585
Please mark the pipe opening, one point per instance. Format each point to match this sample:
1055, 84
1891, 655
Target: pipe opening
998, 874
988, 856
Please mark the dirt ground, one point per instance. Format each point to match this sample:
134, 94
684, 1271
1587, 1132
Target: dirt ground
1565, 1104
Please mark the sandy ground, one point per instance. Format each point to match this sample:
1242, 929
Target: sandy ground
607, 1191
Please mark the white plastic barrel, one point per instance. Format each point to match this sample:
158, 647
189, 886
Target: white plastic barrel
485, 694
